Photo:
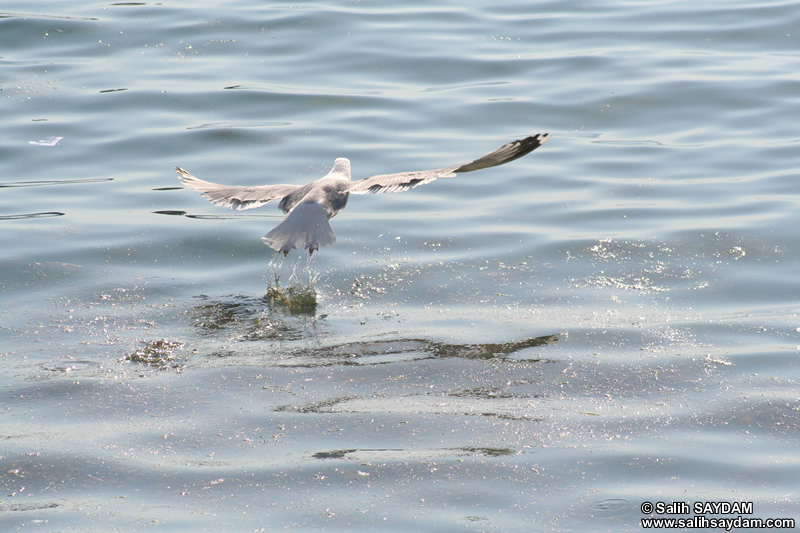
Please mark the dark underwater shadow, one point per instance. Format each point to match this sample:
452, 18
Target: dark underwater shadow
386, 351
248, 318
240, 319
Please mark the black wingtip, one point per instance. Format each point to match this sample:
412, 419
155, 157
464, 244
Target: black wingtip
529, 144
507, 153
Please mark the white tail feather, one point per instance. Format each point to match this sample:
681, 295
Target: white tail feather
307, 224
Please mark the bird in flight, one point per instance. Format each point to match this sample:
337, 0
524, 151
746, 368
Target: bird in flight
309, 207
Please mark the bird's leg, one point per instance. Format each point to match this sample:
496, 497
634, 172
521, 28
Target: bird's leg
311, 249
285, 252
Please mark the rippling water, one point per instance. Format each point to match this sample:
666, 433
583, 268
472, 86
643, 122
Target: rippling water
545, 345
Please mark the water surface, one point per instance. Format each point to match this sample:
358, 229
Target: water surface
545, 345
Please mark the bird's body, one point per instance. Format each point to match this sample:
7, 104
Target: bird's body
309, 207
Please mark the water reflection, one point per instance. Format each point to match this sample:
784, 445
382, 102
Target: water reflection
45, 183
394, 350
384, 454
323, 406
240, 124
245, 319
45, 214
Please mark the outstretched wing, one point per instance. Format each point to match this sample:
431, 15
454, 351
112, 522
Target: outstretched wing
233, 196
408, 180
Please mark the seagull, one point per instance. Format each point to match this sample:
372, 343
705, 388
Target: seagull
309, 207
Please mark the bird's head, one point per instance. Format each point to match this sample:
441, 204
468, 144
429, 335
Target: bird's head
341, 166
